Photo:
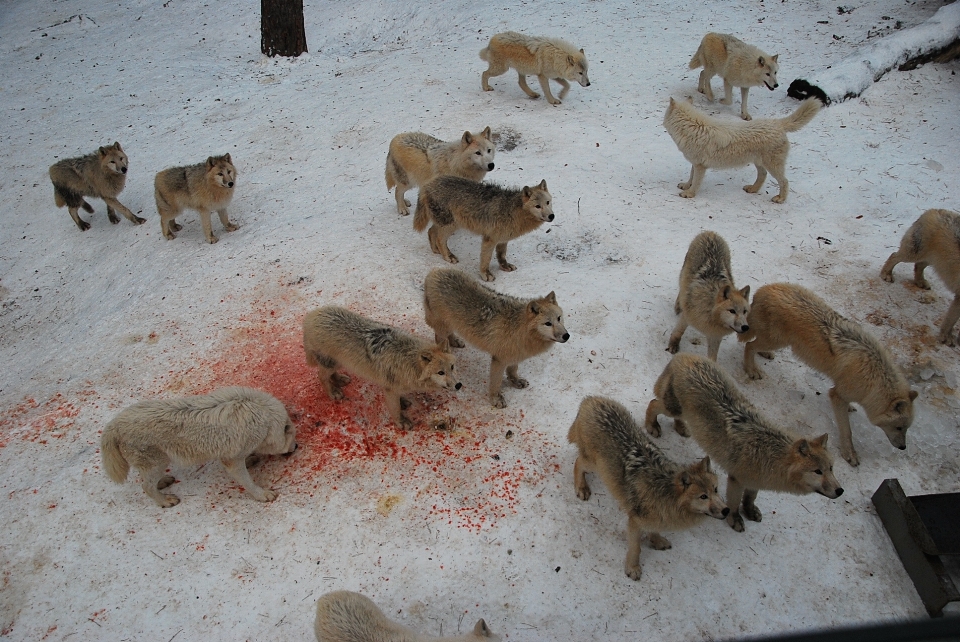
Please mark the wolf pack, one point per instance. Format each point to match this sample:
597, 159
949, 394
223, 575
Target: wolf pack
239, 425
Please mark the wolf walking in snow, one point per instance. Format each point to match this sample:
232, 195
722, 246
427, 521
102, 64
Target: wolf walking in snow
739, 64
203, 187
546, 58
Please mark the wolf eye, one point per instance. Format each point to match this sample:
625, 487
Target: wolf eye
441, 373
704, 496
538, 207
548, 323
478, 153
818, 472
733, 311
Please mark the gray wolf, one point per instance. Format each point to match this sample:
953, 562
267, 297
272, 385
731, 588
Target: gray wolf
757, 455
656, 493
345, 616
229, 424
739, 64
203, 187
509, 329
862, 370
934, 240
712, 143
498, 214
547, 58
101, 174
708, 299
414, 158
388, 356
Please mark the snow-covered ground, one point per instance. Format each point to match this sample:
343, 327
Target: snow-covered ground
439, 528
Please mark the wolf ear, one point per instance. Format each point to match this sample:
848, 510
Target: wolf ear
581, 51
116, 146
211, 161
774, 59
900, 407
467, 138
725, 293
672, 101
571, 61
543, 185
102, 151
227, 158
551, 298
526, 192
704, 464
444, 345
426, 357
762, 61
803, 446
685, 479
481, 629
533, 308
745, 293
913, 395
486, 134
821, 441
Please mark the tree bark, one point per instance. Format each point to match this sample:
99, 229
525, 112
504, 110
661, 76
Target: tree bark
281, 28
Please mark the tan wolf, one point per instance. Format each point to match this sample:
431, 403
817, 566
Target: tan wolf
934, 240
498, 214
656, 493
229, 424
862, 370
708, 299
712, 143
345, 616
739, 64
756, 454
388, 356
547, 58
414, 158
203, 187
511, 330
101, 174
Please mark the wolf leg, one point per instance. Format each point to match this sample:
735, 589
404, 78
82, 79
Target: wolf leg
684, 186
502, 258
780, 174
949, 320
744, 114
703, 86
439, 241
566, 87
713, 348
580, 470
152, 478
486, 253
841, 407
396, 409
225, 221
757, 184
918, 279
403, 205
496, 381
734, 497
650, 422
522, 80
886, 272
673, 345
696, 177
631, 564
75, 215
545, 85
207, 226
727, 93
750, 510
514, 378
113, 203
237, 469
493, 70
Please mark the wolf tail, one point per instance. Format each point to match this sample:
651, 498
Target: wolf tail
114, 464
388, 173
803, 115
422, 216
697, 60
484, 53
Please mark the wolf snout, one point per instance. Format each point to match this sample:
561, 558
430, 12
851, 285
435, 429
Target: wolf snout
292, 450
775, 85
230, 184
743, 328
725, 511
458, 386
564, 338
549, 217
489, 166
903, 447
123, 170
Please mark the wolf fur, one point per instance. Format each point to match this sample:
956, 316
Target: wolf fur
101, 174
547, 58
345, 616
388, 356
708, 299
656, 493
934, 240
739, 64
203, 187
712, 143
414, 158
509, 329
862, 370
498, 214
756, 454
229, 424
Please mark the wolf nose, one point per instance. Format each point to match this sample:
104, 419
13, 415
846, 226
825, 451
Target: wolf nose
744, 328
550, 218
839, 492
458, 386
489, 166
566, 335
725, 512
123, 170
588, 83
903, 447
230, 184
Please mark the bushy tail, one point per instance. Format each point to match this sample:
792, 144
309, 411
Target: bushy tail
803, 115
697, 60
114, 464
388, 174
484, 53
422, 217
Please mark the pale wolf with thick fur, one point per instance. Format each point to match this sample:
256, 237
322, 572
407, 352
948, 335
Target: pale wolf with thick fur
713, 143
229, 424
498, 214
934, 240
708, 299
345, 616
414, 158
101, 174
656, 493
509, 329
756, 454
203, 187
862, 370
739, 64
399, 361
546, 58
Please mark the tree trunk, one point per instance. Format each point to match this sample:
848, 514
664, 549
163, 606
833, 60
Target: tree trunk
281, 28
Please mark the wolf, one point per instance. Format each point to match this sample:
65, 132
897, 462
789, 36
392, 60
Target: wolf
509, 329
862, 370
229, 424
203, 187
414, 158
545, 57
101, 174
345, 616
656, 493
708, 299
756, 454
712, 143
934, 240
498, 214
388, 356
739, 64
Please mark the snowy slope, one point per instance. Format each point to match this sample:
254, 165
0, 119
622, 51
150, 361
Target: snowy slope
439, 528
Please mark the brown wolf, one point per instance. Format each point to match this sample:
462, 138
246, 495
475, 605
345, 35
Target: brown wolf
708, 299
497, 214
101, 174
783, 314
230, 424
414, 158
757, 455
547, 58
511, 330
739, 64
656, 493
934, 240
203, 187
388, 356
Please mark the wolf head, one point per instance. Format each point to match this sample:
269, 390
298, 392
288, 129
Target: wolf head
437, 368
537, 201
221, 171
766, 71
698, 490
895, 420
545, 317
281, 435
810, 468
113, 158
731, 308
577, 68
479, 148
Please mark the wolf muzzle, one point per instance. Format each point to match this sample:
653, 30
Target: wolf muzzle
489, 166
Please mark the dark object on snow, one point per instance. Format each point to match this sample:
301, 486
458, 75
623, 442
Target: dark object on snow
923, 528
946, 54
801, 90
944, 630
281, 28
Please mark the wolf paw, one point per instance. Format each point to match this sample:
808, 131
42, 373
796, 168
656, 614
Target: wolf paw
212, 239
735, 521
751, 189
233, 227
746, 116
659, 542
583, 492
726, 101
451, 258
176, 227
779, 199
498, 401
508, 267
456, 342
673, 347
681, 428
555, 101
336, 394
169, 501
766, 355
487, 276
83, 225
654, 429
169, 235
139, 220
683, 186
687, 194
405, 403
519, 382
165, 481
113, 217
633, 572
266, 496
405, 423
340, 380
851, 457
404, 211
948, 340
754, 373
752, 513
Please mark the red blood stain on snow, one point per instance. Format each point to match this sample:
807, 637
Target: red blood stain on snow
40, 422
